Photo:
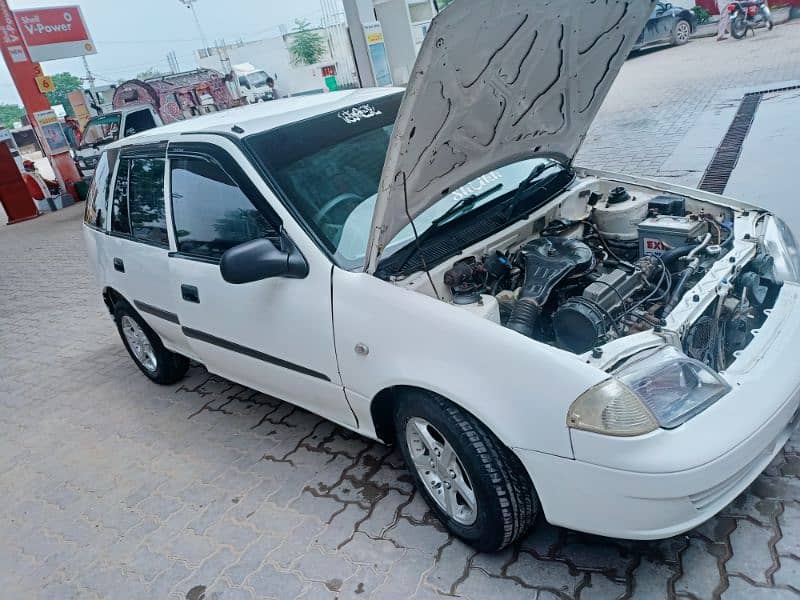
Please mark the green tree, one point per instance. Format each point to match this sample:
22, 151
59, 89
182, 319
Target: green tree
307, 46
150, 73
64, 84
10, 113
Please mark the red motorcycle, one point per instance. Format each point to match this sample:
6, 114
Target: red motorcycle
749, 15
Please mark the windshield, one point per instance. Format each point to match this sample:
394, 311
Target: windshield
329, 169
101, 130
257, 79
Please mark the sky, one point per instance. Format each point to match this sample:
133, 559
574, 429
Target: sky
134, 35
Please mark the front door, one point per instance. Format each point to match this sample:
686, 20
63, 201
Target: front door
276, 335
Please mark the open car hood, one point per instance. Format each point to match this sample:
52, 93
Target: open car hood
497, 82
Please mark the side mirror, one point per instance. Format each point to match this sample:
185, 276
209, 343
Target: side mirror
260, 259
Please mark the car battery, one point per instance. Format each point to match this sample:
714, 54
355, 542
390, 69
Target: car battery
665, 232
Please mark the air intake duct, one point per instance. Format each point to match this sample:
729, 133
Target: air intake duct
547, 262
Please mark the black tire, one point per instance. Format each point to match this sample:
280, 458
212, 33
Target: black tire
681, 33
169, 367
506, 501
739, 28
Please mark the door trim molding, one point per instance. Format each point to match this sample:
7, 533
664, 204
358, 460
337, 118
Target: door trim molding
157, 312
234, 347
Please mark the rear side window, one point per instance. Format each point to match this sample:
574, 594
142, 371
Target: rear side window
146, 200
137, 207
97, 200
212, 214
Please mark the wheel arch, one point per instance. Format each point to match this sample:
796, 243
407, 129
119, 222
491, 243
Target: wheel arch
688, 16
111, 297
384, 402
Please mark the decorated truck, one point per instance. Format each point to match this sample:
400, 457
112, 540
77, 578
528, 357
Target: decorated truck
142, 104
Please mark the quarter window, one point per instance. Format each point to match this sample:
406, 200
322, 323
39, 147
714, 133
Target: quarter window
120, 223
211, 213
97, 200
146, 200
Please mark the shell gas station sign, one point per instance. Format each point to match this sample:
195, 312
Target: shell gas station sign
53, 33
28, 37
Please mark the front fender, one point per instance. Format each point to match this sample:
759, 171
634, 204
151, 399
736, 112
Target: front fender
520, 389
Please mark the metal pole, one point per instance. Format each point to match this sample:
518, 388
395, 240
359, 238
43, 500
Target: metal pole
90, 81
190, 5
359, 42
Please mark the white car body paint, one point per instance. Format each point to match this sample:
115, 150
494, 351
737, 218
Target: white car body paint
359, 335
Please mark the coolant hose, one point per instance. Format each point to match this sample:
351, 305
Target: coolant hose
524, 316
670, 256
676, 295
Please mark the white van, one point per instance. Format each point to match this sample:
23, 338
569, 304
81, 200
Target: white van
109, 127
253, 83
429, 269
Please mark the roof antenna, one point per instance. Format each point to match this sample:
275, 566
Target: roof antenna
416, 239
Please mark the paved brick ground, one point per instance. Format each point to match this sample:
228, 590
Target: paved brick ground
114, 488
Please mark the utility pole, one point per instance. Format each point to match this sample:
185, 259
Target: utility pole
172, 59
190, 5
90, 81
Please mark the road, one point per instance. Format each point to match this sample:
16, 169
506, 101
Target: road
115, 488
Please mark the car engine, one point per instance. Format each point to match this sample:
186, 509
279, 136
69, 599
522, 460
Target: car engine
623, 270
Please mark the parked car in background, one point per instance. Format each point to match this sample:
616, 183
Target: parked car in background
108, 128
667, 25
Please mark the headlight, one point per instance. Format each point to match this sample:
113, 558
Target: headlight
664, 389
781, 245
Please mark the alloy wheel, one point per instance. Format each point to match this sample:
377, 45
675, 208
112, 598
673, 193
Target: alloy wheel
682, 32
441, 471
139, 343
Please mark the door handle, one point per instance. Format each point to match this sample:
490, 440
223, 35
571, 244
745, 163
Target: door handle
190, 294
119, 265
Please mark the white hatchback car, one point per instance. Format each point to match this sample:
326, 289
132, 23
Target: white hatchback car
429, 269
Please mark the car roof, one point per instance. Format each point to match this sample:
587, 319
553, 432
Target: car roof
257, 118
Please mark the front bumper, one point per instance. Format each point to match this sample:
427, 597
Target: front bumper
646, 506
668, 482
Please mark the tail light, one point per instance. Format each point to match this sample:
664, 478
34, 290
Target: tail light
752, 11
732, 8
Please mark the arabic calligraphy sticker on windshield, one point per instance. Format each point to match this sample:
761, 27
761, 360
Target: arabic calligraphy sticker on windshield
359, 113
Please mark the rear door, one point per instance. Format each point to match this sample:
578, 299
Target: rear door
659, 27
276, 335
139, 242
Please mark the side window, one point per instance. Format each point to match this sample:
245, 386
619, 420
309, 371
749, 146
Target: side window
211, 212
138, 121
97, 200
120, 223
146, 200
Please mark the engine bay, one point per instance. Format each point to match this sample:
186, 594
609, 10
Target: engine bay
618, 265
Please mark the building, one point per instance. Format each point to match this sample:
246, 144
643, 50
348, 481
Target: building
273, 56
387, 35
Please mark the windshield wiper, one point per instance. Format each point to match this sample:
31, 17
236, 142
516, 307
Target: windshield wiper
526, 184
463, 204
